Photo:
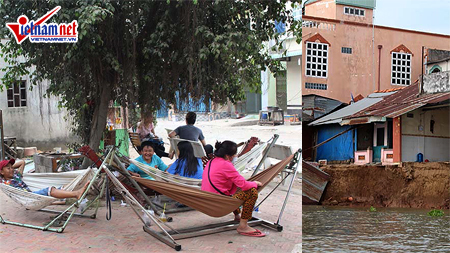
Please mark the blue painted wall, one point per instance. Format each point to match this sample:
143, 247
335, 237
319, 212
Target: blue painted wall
183, 106
338, 149
192, 105
163, 112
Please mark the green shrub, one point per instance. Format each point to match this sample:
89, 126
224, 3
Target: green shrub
436, 212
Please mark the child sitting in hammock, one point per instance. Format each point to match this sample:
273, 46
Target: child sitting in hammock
187, 165
147, 157
221, 177
12, 177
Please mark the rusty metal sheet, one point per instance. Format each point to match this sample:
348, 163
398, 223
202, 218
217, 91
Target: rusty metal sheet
359, 121
399, 103
314, 181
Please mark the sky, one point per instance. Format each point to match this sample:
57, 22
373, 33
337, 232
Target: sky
420, 15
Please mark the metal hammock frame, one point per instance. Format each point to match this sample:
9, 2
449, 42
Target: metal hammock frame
159, 175
170, 235
71, 210
33, 201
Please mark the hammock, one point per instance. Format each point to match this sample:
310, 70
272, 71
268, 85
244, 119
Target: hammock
249, 157
240, 165
35, 201
37, 181
209, 203
167, 177
248, 145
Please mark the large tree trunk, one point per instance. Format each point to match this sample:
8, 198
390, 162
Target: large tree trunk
98, 121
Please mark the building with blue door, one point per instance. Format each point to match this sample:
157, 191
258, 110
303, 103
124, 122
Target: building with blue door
336, 142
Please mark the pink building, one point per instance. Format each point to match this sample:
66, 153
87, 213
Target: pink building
344, 53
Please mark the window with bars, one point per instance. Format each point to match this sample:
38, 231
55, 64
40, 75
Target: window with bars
316, 86
354, 11
401, 69
346, 50
17, 94
316, 59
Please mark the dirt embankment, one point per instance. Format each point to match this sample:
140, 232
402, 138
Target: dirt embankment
417, 185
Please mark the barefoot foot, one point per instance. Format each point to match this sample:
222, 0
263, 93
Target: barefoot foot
247, 229
80, 192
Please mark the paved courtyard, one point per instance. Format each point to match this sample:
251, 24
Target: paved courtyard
124, 233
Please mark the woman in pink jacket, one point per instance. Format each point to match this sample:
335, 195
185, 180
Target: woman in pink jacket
221, 177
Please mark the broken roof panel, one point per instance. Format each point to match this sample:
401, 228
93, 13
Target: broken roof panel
403, 101
336, 117
436, 55
315, 106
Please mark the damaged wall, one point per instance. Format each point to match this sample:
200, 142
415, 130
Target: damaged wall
426, 131
437, 82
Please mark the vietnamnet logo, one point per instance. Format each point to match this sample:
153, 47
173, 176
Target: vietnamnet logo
38, 31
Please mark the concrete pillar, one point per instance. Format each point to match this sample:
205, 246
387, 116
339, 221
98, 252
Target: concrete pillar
397, 139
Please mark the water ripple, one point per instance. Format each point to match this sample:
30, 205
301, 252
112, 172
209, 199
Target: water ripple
343, 229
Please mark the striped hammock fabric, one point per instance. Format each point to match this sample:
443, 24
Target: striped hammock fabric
29, 200
249, 157
212, 204
167, 177
37, 181
34, 201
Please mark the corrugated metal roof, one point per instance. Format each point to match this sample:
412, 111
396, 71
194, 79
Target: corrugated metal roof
369, 4
403, 101
337, 116
315, 106
438, 61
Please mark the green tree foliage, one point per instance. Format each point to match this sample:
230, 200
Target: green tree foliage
144, 51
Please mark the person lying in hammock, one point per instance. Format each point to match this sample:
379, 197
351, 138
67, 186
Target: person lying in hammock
187, 165
149, 158
11, 174
221, 177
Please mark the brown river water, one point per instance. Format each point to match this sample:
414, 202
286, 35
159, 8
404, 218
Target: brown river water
345, 229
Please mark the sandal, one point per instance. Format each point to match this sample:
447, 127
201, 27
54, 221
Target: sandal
256, 233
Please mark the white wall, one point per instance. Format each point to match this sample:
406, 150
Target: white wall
418, 138
293, 78
445, 66
294, 81
433, 149
40, 123
264, 89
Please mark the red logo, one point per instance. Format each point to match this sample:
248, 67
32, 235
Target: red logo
39, 31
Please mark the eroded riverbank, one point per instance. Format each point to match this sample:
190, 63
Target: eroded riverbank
412, 185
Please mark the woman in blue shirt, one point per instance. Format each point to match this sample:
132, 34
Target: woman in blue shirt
187, 165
